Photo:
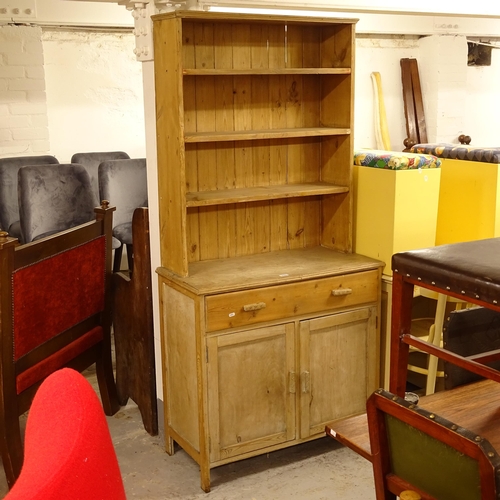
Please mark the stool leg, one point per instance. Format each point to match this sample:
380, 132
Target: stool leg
436, 340
402, 300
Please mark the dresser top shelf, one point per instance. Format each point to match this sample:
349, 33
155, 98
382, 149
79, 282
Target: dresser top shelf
241, 18
267, 269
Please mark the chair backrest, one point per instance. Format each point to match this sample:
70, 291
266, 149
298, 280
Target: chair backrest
91, 162
9, 206
133, 326
416, 450
55, 311
68, 447
124, 184
53, 199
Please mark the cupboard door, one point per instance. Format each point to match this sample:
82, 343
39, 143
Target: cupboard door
251, 390
338, 367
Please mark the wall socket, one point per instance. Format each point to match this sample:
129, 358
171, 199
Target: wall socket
17, 10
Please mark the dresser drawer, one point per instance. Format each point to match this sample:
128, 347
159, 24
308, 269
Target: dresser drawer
230, 310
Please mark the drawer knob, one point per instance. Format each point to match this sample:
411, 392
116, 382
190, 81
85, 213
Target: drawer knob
341, 291
254, 307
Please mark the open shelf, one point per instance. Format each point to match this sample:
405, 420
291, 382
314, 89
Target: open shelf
266, 71
262, 193
247, 135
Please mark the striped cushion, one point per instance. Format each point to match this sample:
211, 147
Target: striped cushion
459, 152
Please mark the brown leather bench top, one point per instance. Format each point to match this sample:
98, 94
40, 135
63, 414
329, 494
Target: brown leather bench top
470, 269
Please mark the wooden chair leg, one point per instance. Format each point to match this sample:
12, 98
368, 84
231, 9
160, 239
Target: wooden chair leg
130, 258
11, 448
118, 259
107, 386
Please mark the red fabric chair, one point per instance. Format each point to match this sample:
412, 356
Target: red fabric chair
68, 449
55, 312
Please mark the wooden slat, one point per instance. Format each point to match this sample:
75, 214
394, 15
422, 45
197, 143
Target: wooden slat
408, 101
261, 193
473, 406
261, 119
419, 105
224, 121
206, 122
266, 71
272, 268
247, 135
168, 47
295, 119
242, 123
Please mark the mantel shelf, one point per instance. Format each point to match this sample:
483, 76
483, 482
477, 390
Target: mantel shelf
265, 71
244, 195
249, 135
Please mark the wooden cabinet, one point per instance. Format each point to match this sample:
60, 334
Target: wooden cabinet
269, 321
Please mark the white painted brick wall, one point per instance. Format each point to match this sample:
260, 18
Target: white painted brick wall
23, 105
443, 75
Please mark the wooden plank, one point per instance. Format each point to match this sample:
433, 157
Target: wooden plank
206, 122
283, 266
267, 71
294, 118
242, 123
278, 217
419, 105
473, 406
171, 182
224, 121
232, 17
248, 134
261, 193
261, 119
409, 104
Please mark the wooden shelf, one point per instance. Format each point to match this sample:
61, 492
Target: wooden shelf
244, 195
267, 269
266, 71
252, 135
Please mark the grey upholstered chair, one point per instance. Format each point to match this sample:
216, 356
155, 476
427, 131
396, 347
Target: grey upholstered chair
124, 184
9, 205
53, 199
91, 162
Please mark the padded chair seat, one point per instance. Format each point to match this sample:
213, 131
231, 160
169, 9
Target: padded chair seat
469, 269
393, 160
123, 232
459, 152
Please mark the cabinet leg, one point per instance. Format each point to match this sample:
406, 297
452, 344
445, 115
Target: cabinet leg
169, 444
205, 477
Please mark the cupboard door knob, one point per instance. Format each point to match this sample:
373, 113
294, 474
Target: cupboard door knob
341, 291
254, 307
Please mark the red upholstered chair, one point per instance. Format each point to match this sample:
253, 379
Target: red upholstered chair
55, 311
68, 449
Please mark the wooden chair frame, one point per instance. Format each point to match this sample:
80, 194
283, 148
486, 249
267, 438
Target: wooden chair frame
388, 485
133, 328
14, 402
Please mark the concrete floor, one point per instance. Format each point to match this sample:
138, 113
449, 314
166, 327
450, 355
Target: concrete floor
320, 469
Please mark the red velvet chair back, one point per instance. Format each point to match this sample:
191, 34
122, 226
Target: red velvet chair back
55, 311
68, 449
